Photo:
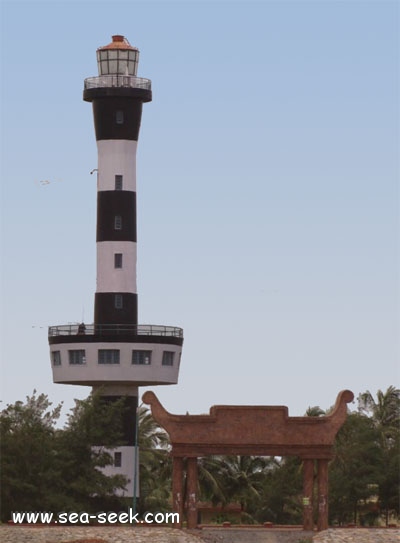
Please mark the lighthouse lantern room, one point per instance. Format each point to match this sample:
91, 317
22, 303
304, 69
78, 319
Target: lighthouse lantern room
116, 355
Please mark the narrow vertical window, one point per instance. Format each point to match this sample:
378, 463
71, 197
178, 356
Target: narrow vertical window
117, 222
117, 459
118, 301
56, 356
118, 182
118, 260
119, 117
168, 358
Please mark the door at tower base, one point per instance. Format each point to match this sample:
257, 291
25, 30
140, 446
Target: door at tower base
124, 460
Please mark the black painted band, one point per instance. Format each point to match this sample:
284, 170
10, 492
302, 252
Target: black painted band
123, 337
112, 204
106, 312
144, 95
117, 118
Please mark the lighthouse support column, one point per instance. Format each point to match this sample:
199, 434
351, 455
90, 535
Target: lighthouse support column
308, 487
192, 492
322, 494
177, 489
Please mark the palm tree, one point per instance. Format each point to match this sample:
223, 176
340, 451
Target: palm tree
151, 436
211, 483
234, 479
155, 467
385, 413
315, 411
282, 492
385, 416
243, 478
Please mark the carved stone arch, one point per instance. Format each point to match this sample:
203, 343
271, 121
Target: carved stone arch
252, 431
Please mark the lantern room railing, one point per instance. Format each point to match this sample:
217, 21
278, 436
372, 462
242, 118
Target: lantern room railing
127, 81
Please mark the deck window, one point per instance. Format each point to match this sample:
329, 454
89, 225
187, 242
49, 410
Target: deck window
168, 358
77, 357
56, 358
141, 358
108, 356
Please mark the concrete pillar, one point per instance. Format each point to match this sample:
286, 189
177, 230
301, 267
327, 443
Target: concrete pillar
322, 494
308, 488
191, 493
177, 489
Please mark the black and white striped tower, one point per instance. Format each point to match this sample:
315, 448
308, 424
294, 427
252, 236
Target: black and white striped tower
117, 109
115, 354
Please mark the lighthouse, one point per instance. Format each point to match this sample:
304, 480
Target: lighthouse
115, 354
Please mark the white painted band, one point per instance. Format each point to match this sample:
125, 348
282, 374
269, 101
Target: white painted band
116, 157
111, 279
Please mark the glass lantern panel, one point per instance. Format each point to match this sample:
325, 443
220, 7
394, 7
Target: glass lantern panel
104, 68
112, 66
121, 68
133, 62
128, 68
112, 55
123, 54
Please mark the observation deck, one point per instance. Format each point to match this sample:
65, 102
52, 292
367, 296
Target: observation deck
123, 354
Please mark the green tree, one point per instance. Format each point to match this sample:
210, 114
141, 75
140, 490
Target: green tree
212, 484
91, 422
384, 413
315, 411
48, 469
234, 479
282, 492
155, 465
29, 455
356, 468
243, 477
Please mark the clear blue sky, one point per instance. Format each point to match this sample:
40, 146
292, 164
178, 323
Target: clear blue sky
268, 208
